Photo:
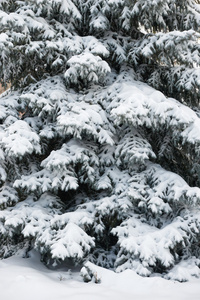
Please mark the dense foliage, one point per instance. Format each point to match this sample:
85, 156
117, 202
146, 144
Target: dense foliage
100, 133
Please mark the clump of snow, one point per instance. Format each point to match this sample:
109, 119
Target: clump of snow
20, 139
185, 270
89, 273
86, 67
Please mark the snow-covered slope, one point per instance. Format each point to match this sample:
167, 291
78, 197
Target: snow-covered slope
29, 279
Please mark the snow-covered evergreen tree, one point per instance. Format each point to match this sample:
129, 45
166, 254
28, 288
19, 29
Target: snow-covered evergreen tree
100, 133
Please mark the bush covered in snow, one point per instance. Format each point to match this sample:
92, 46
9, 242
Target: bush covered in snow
100, 133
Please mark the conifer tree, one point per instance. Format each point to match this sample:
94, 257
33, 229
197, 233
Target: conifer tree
100, 133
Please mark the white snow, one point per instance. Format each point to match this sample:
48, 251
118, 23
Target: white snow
28, 278
20, 139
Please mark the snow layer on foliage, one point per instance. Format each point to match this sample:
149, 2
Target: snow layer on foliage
137, 104
70, 242
61, 234
133, 148
94, 46
142, 245
8, 195
147, 246
148, 11
68, 7
86, 67
54, 41
85, 118
20, 139
2, 112
71, 154
184, 271
192, 133
146, 241
8, 102
47, 99
112, 164
45, 180
3, 174
163, 184
174, 45
51, 101
59, 168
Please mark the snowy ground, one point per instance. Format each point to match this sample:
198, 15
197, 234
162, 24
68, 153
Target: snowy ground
29, 279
